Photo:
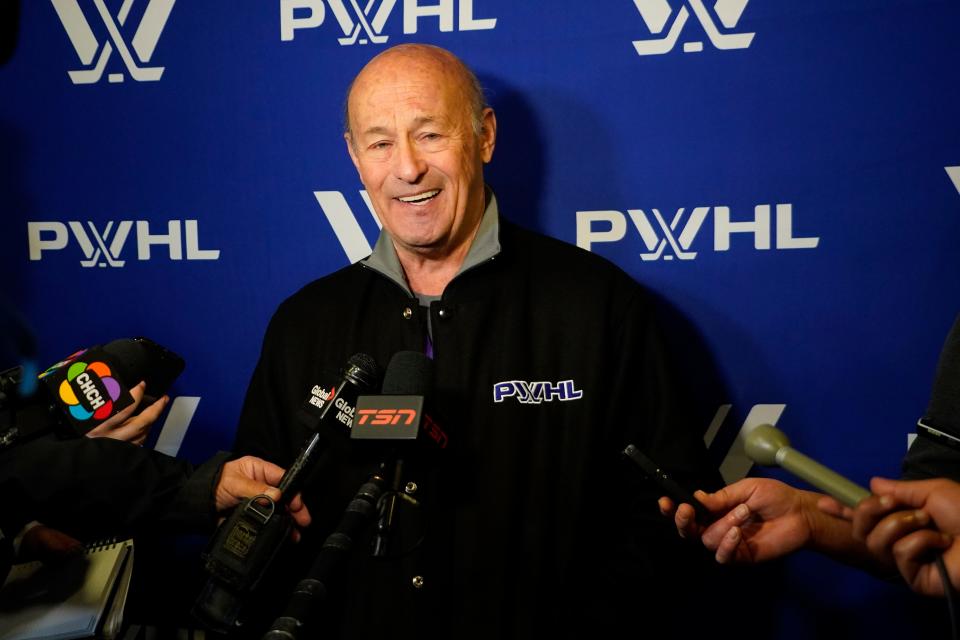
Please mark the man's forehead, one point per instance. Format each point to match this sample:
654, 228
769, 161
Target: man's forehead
414, 95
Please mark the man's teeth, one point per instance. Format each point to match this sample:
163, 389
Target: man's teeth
420, 197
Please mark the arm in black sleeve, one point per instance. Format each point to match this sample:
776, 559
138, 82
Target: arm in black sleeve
90, 487
928, 458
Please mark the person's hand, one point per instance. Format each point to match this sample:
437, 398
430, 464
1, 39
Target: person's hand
48, 545
757, 519
129, 427
909, 523
250, 476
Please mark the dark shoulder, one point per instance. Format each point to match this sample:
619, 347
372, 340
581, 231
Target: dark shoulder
313, 297
561, 260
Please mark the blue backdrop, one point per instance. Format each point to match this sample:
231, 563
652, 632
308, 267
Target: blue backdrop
784, 176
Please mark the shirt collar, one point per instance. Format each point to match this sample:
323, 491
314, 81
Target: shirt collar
486, 244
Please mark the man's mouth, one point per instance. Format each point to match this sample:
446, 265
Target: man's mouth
420, 198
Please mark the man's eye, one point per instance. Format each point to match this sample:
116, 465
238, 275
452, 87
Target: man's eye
380, 146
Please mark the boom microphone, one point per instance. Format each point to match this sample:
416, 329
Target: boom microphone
768, 446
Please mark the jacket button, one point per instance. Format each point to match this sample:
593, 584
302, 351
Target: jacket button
417, 582
445, 313
407, 313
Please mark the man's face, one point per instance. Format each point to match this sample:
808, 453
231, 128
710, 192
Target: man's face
413, 143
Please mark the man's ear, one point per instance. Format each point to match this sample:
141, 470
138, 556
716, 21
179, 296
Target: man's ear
350, 149
488, 134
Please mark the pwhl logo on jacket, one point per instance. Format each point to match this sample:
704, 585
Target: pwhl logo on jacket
365, 26
666, 240
94, 54
660, 18
104, 247
536, 392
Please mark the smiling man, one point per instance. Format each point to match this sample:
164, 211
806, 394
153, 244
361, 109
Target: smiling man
419, 135
547, 364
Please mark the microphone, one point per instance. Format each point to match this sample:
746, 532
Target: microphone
328, 567
398, 415
397, 420
768, 446
362, 374
88, 387
242, 550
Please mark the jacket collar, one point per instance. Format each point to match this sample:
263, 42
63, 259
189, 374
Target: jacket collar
485, 245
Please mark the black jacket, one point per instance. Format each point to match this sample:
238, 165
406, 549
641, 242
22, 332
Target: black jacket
530, 524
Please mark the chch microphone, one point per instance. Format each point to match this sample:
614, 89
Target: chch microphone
398, 422
768, 446
242, 550
91, 386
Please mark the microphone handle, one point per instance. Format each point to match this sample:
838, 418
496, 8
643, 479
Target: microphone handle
310, 592
828, 481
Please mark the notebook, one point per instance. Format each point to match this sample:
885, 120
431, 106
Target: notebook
78, 599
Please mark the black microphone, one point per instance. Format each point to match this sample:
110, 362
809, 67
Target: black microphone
242, 550
397, 420
328, 567
398, 417
361, 375
87, 388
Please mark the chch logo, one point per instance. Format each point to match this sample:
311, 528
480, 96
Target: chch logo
660, 18
94, 54
365, 26
536, 392
97, 387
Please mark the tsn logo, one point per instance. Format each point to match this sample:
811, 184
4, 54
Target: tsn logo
402, 417
386, 416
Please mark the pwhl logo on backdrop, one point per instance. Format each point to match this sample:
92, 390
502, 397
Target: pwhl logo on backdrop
94, 54
667, 237
104, 247
663, 21
365, 26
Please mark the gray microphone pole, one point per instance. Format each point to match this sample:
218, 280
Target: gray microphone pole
768, 446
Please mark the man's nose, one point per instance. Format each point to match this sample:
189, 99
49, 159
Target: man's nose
408, 163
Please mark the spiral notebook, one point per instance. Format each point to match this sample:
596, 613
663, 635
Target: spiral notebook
80, 598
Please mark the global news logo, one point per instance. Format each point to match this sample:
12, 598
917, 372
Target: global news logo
366, 26
104, 247
666, 25
95, 53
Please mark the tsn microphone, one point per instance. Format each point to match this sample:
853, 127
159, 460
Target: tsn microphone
244, 547
768, 446
398, 422
398, 415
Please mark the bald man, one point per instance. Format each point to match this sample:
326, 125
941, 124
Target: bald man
547, 364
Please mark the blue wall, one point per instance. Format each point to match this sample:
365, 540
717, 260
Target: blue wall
809, 279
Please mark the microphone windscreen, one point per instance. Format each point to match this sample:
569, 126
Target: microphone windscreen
409, 373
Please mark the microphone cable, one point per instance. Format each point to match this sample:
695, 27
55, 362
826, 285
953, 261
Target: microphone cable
950, 593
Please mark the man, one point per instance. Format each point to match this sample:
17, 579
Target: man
903, 526
547, 364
